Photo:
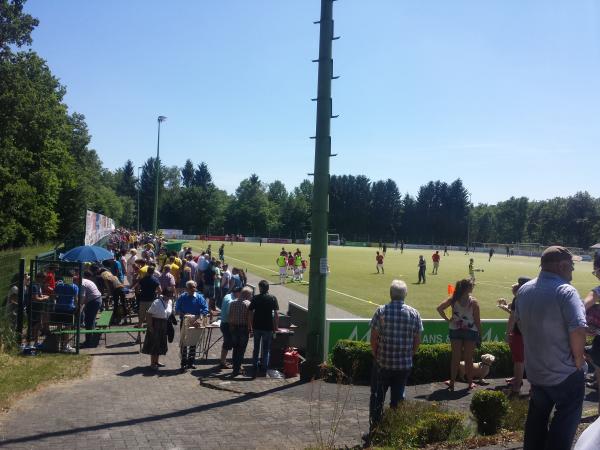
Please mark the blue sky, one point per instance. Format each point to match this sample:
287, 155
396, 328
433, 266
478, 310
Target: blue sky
504, 94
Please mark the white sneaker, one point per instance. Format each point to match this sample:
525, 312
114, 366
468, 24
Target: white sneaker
69, 349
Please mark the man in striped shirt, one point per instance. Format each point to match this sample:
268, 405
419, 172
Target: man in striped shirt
240, 327
395, 337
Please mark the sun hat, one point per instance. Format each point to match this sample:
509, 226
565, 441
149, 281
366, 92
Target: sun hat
556, 253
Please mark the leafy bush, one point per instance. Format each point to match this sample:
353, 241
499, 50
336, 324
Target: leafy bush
416, 424
354, 359
431, 362
490, 409
439, 427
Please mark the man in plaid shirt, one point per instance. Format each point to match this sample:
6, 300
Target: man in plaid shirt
240, 327
395, 336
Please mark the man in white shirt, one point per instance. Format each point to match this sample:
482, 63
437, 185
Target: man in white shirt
91, 298
225, 280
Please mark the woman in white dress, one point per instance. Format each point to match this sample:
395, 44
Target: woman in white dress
155, 343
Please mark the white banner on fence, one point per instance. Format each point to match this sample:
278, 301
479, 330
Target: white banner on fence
97, 226
171, 234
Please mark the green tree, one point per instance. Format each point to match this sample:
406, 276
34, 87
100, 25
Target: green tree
147, 186
455, 213
34, 150
350, 206
385, 210
511, 219
278, 198
187, 174
249, 212
15, 26
409, 226
79, 191
296, 215
202, 177
582, 215
172, 177
482, 224
126, 184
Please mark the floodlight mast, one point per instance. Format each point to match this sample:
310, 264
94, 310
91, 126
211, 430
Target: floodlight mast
157, 168
315, 345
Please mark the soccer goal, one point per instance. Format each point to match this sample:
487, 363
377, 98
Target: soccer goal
332, 238
527, 248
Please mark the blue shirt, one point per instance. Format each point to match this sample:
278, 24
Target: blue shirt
202, 264
547, 309
225, 307
396, 325
65, 297
119, 269
237, 281
191, 304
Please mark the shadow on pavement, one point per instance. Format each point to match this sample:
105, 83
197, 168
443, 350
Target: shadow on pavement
132, 352
444, 395
146, 419
146, 371
123, 344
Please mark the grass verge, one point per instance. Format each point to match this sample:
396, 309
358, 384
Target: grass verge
20, 375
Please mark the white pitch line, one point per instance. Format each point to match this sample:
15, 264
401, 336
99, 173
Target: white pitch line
250, 264
352, 296
329, 289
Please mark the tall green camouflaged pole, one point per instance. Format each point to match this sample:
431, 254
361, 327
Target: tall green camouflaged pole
315, 354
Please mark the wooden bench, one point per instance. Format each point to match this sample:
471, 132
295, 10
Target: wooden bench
105, 331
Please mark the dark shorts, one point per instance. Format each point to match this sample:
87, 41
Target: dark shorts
517, 348
209, 291
227, 344
37, 309
463, 335
62, 318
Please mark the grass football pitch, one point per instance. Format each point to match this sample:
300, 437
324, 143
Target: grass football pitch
354, 285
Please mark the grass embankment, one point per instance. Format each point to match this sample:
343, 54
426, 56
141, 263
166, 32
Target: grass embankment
22, 374
31, 252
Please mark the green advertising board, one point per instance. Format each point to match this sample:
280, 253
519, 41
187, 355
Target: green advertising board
435, 331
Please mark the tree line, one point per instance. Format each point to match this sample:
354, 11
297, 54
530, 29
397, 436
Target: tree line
49, 176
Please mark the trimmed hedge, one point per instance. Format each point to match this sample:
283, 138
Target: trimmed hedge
431, 362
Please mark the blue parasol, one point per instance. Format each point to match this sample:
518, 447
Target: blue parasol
87, 253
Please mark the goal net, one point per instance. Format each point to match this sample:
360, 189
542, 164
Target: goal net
332, 238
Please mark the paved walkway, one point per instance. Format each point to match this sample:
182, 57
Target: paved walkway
285, 295
124, 404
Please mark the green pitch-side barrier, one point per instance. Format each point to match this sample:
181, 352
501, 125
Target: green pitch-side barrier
435, 331
357, 244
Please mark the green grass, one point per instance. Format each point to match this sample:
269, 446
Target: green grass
353, 273
21, 374
31, 252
